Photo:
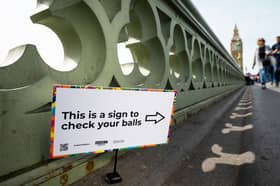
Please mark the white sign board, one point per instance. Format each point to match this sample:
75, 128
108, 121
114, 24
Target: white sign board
88, 119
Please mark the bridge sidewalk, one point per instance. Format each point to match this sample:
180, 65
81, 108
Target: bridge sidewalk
154, 166
264, 139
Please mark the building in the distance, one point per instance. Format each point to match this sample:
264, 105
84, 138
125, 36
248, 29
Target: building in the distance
236, 48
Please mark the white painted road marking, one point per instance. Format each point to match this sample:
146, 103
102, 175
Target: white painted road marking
243, 108
209, 164
236, 115
244, 104
244, 100
230, 128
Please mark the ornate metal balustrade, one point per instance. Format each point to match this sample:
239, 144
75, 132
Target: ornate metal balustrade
127, 43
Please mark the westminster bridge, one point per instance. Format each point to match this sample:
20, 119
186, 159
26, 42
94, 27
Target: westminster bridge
158, 44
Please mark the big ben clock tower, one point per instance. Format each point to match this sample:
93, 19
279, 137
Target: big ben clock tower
236, 48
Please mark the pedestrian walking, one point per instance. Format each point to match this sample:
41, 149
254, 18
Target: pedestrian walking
262, 61
276, 53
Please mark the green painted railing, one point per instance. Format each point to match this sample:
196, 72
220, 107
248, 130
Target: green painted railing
127, 43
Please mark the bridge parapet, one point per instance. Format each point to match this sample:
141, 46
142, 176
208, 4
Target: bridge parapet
127, 43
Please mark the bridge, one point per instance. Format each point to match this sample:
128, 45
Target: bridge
121, 43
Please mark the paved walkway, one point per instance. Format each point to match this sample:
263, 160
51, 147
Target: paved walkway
270, 87
264, 140
234, 142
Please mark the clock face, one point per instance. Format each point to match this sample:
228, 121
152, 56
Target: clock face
236, 46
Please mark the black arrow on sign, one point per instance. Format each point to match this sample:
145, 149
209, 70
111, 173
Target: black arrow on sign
158, 117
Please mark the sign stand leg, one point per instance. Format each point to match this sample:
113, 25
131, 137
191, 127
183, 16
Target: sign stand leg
114, 177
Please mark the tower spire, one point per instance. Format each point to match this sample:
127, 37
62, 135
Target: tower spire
236, 31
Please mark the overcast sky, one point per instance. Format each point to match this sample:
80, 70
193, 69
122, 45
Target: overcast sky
17, 29
254, 18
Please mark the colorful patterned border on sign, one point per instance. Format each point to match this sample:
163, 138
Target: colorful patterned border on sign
53, 106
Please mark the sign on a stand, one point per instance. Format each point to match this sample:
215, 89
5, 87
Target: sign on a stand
89, 119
